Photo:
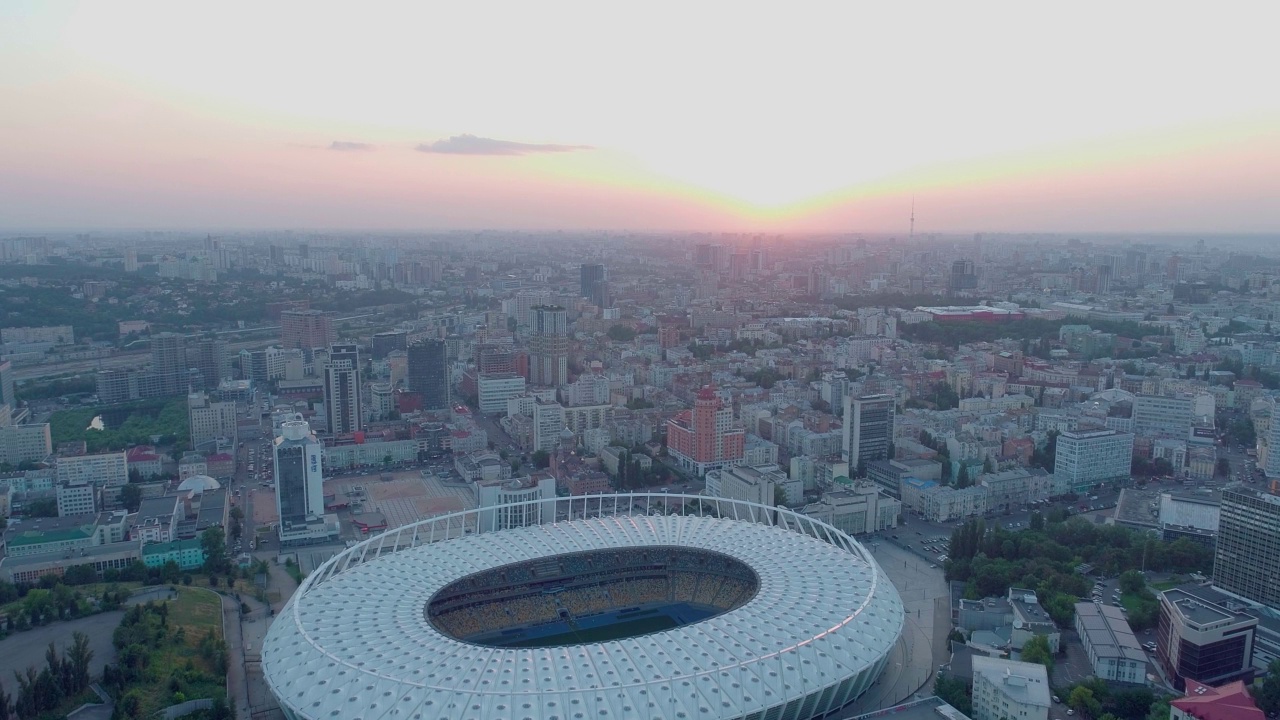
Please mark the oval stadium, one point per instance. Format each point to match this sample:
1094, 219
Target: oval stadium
639, 607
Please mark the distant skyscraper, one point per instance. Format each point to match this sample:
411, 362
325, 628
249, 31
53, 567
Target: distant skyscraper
130, 260
595, 284
212, 360
962, 276
342, 389
429, 373
868, 429
169, 363
6, 385
549, 346
306, 329
299, 476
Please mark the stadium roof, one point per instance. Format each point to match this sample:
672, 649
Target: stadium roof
355, 642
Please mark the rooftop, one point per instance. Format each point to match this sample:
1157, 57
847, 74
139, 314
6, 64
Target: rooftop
1107, 632
1229, 702
1026, 683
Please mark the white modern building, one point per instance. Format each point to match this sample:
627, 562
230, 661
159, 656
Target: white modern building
1009, 690
299, 475
1087, 459
521, 490
213, 422
103, 469
548, 421
1164, 414
496, 389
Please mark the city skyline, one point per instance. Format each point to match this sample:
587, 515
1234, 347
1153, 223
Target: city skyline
992, 118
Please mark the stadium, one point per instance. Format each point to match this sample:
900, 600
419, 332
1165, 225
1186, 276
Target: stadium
617, 606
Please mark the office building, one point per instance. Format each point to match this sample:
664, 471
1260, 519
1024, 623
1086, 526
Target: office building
1008, 689
1247, 555
386, 342
1271, 463
495, 390
24, 443
429, 373
1113, 650
213, 422
109, 469
704, 438
1204, 641
549, 346
856, 509
497, 492
594, 284
77, 498
299, 478
306, 329
1087, 459
342, 390
962, 277
169, 363
868, 429
1163, 415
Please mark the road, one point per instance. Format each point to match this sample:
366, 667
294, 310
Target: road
130, 358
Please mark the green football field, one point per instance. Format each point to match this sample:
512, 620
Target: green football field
627, 628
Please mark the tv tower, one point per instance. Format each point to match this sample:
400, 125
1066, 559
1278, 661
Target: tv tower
913, 218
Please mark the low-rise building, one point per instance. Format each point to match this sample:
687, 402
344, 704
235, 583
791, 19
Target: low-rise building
1008, 689
102, 469
1232, 701
497, 494
856, 510
1109, 642
187, 554
77, 498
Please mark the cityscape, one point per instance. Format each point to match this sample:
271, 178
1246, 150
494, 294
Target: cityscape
567, 361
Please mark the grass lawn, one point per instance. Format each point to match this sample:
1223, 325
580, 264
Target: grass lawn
197, 610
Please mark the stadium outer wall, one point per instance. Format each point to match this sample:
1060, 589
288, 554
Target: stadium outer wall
802, 677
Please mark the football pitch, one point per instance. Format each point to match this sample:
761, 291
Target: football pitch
602, 633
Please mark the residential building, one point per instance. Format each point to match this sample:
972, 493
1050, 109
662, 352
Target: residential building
342, 390
7, 397
306, 329
213, 422
101, 469
549, 346
299, 480
213, 360
1247, 554
25, 443
1203, 641
548, 421
868, 429
169, 363
429, 373
705, 438
77, 498
1088, 459
1232, 701
1009, 690
1113, 650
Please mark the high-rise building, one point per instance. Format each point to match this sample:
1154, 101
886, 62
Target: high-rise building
429, 373
306, 329
169, 363
213, 361
548, 421
962, 276
1247, 554
492, 358
342, 390
213, 422
549, 346
704, 438
594, 284
6, 385
868, 429
130, 260
1087, 459
385, 342
299, 479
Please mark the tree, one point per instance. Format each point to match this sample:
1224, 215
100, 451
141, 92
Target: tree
1082, 701
954, 692
1037, 650
962, 478
1132, 582
1161, 467
78, 658
1224, 466
1267, 692
131, 497
779, 496
541, 459
214, 543
1037, 522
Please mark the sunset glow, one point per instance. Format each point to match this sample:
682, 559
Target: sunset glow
826, 117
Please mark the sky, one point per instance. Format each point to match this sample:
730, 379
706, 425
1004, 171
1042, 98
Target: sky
1135, 117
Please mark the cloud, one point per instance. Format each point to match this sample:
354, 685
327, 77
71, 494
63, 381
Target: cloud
349, 146
472, 145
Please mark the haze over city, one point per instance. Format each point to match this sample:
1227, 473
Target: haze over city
828, 117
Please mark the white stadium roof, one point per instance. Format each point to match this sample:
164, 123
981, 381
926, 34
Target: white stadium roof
355, 642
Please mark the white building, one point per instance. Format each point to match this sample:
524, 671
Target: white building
1113, 649
753, 484
1160, 414
492, 493
299, 475
1087, 459
496, 389
213, 423
1009, 690
581, 418
858, 509
103, 469
548, 421
77, 498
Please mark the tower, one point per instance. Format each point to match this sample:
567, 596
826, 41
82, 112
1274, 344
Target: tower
912, 233
429, 373
342, 389
299, 476
549, 346
594, 285
868, 428
169, 362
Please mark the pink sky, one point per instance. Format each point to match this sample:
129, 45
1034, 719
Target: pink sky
832, 117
